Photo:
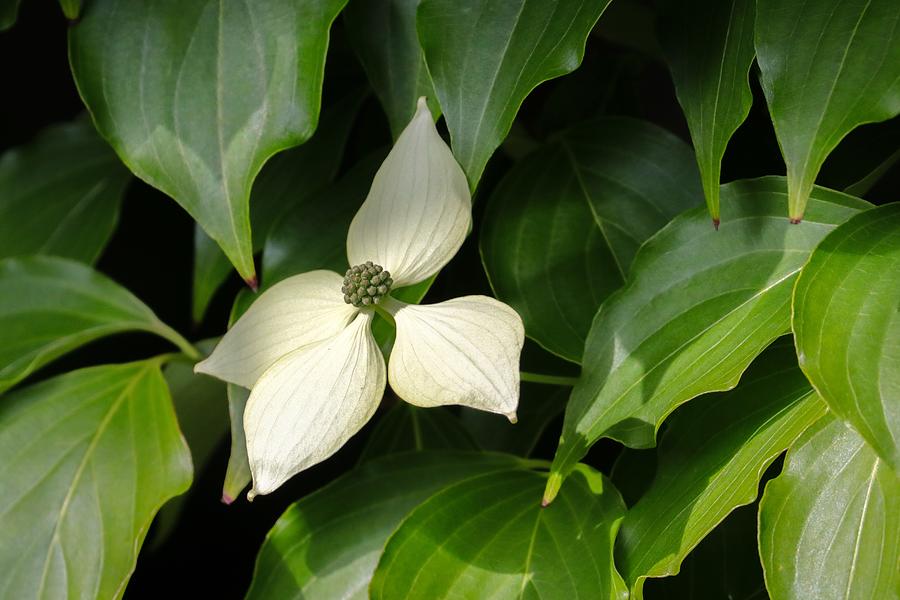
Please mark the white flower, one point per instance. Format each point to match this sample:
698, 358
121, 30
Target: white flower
305, 347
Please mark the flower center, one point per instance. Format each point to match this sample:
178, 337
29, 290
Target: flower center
366, 284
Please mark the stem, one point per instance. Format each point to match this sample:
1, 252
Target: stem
548, 379
176, 338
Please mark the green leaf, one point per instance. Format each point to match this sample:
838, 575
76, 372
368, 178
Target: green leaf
485, 57
327, 545
563, 226
724, 565
709, 49
9, 12
701, 304
237, 473
539, 405
290, 178
489, 537
86, 460
847, 325
699, 481
71, 8
195, 97
50, 306
312, 234
60, 194
829, 526
199, 402
406, 427
384, 35
827, 67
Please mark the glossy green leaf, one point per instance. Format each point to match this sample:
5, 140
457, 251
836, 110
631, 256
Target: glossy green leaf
289, 179
384, 34
701, 479
327, 545
489, 537
196, 96
86, 460
485, 57
237, 473
829, 526
563, 226
60, 194
725, 565
709, 49
827, 67
49, 306
700, 305
313, 233
847, 324
406, 428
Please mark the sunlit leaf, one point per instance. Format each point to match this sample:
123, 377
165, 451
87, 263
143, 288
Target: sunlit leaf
327, 545
489, 537
288, 180
827, 67
847, 325
485, 57
829, 526
699, 306
86, 460
196, 96
701, 479
50, 306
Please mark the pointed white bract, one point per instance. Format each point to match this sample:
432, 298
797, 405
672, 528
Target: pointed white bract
418, 211
463, 351
315, 372
304, 408
300, 310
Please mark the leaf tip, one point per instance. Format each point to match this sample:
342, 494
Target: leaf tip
796, 220
226, 499
716, 223
553, 484
253, 283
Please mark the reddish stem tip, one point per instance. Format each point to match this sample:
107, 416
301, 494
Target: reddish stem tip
253, 283
716, 224
226, 499
795, 220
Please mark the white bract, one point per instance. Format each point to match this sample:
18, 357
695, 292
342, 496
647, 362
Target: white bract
306, 350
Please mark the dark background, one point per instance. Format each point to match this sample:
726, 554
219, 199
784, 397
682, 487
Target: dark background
212, 552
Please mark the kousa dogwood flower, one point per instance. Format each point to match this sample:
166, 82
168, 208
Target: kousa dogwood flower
305, 348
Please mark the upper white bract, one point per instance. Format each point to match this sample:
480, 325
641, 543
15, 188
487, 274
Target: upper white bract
316, 374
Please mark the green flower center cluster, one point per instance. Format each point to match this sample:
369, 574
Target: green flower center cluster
366, 284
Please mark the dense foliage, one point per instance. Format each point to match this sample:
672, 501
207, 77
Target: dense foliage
691, 207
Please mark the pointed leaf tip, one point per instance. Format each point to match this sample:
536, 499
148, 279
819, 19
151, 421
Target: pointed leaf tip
716, 223
796, 220
553, 484
226, 499
253, 283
